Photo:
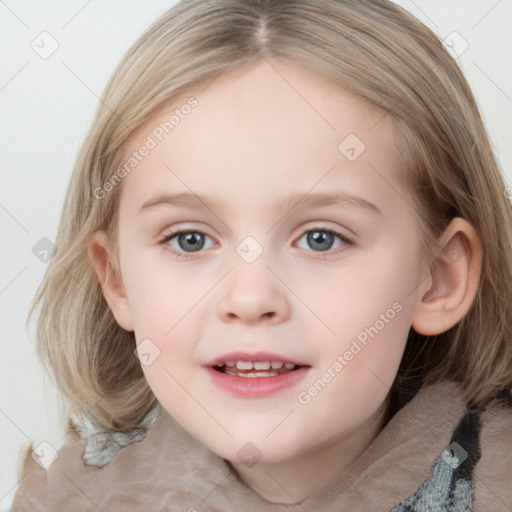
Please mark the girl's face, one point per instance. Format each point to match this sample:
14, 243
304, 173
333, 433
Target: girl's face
298, 245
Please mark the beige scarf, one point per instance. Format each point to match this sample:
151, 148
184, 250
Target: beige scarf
412, 465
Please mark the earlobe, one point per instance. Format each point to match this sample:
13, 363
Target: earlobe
452, 282
109, 279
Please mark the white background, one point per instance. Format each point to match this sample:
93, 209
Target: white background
46, 106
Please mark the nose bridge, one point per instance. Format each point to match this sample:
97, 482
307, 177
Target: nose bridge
252, 291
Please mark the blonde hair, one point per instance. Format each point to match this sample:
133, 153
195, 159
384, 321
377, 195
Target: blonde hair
372, 48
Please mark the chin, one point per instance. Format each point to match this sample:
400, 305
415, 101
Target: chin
251, 452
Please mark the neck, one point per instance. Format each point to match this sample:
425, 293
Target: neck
294, 480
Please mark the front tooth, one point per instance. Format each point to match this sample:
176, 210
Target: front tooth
255, 374
276, 365
289, 366
261, 365
244, 365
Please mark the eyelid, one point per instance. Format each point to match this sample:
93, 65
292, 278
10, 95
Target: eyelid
343, 232
330, 253
163, 243
172, 233
187, 227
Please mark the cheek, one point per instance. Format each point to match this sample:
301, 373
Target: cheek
368, 309
160, 306
354, 296
159, 294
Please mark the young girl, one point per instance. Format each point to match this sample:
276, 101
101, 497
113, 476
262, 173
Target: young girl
256, 370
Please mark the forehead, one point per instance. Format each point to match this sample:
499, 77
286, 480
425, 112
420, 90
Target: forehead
270, 124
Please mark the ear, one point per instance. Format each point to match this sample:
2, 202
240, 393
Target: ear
447, 294
109, 279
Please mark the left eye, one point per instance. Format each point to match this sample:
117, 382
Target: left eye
321, 240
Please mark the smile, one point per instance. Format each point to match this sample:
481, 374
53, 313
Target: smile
255, 374
255, 369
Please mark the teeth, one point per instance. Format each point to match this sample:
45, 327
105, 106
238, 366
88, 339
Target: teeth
257, 365
244, 365
256, 374
261, 365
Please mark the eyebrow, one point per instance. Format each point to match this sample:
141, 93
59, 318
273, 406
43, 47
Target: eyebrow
289, 202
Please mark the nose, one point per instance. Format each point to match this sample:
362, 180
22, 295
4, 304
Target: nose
252, 294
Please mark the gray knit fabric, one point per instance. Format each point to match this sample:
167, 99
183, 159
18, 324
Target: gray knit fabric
441, 492
449, 488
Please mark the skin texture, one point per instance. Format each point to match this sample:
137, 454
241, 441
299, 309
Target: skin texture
258, 134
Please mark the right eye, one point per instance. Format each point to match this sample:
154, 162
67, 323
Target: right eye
185, 241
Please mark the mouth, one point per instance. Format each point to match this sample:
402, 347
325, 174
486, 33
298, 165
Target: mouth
252, 369
255, 375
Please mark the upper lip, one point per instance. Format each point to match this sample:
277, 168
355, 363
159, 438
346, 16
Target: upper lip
253, 357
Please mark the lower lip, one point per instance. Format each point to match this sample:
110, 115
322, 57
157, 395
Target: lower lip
256, 387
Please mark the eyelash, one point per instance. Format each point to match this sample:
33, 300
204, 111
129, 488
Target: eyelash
323, 255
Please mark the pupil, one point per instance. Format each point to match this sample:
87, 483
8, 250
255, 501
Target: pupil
316, 238
195, 240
